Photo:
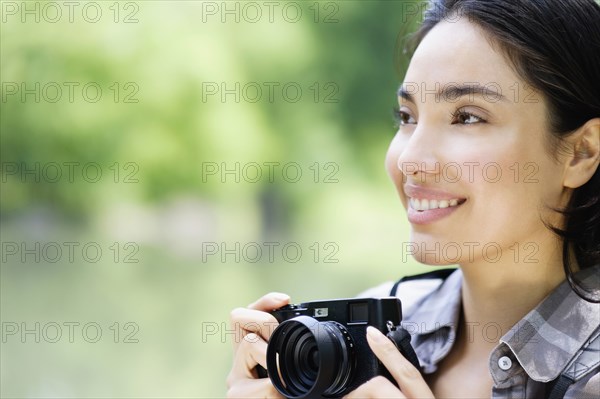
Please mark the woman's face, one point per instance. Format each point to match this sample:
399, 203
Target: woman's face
473, 144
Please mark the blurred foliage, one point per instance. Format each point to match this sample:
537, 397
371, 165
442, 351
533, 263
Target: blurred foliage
152, 133
162, 62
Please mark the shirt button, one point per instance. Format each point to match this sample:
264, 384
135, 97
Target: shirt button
504, 363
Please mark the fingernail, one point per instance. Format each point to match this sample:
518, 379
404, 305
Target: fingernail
375, 335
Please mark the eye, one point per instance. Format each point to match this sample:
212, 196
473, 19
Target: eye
463, 117
403, 118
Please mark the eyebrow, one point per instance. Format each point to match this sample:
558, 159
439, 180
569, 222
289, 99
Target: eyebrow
453, 92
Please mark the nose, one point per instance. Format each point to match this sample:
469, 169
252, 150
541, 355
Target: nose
417, 156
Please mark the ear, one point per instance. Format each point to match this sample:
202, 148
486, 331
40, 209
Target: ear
582, 162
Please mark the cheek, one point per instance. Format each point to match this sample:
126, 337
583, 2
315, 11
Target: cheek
513, 187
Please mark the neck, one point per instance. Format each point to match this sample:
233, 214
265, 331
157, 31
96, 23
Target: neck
497, 295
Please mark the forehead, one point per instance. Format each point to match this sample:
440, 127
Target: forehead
459, 52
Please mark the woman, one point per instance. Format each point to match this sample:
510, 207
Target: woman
496, 161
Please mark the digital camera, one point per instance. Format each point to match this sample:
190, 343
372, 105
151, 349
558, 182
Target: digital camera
320, 349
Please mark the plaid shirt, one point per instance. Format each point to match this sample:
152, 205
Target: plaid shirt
533, 352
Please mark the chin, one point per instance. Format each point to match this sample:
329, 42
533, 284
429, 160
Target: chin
434, 252
431, 260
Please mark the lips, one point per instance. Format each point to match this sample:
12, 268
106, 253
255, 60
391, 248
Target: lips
427, 205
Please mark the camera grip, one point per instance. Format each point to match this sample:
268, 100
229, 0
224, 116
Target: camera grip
401, 338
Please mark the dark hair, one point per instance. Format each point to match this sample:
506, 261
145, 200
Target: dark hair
554, 45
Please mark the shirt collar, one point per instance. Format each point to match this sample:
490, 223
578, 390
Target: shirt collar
558, 327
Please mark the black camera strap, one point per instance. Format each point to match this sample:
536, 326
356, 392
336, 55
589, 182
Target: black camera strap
441, 274
401, 338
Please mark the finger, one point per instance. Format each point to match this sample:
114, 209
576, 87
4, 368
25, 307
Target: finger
253, 389
252, 351
270, 301
244, 321
407, 376
378, 387
258, 320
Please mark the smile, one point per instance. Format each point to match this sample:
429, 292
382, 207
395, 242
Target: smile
428, 204
425, 204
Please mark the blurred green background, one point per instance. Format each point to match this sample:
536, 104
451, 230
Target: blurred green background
166, 161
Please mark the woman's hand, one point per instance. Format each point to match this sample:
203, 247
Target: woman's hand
253, 326
412, 384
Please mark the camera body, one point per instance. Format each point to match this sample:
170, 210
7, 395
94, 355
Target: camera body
320, 349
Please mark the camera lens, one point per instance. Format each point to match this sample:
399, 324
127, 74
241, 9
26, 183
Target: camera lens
310, 359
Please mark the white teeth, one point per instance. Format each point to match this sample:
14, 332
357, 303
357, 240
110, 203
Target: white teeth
415, 204
425, 204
